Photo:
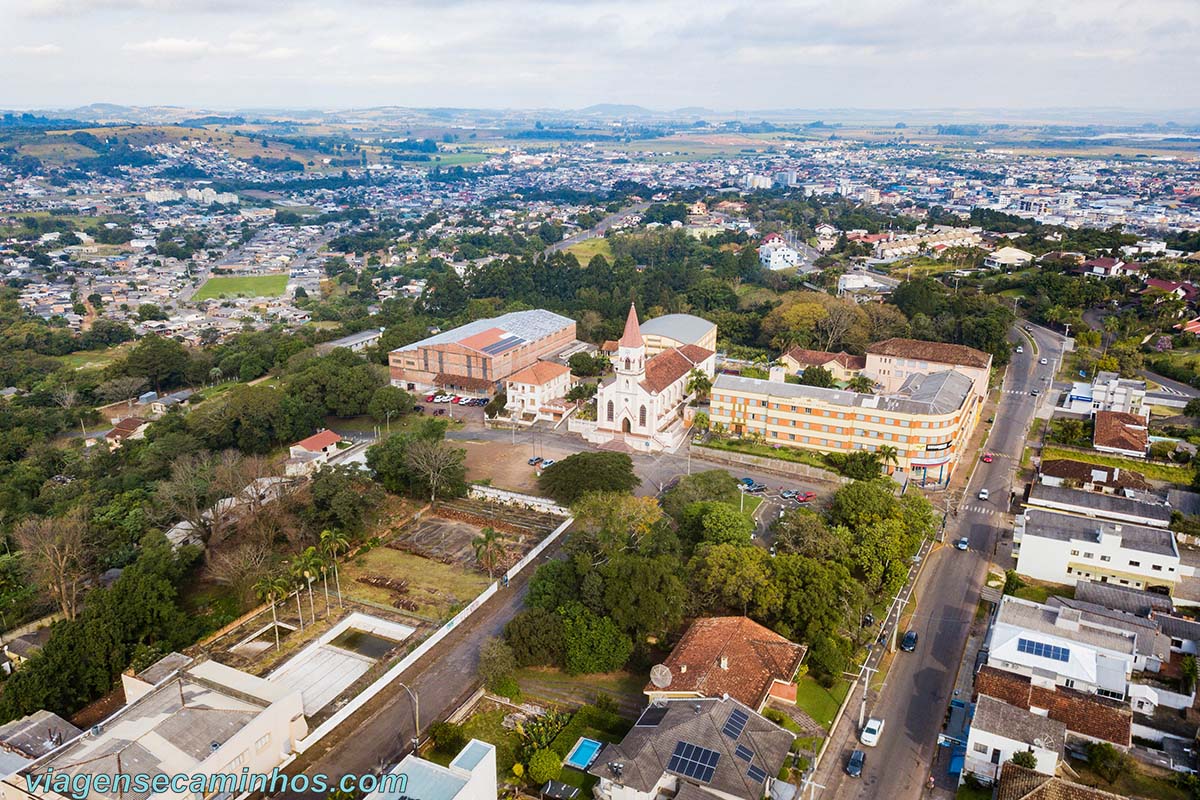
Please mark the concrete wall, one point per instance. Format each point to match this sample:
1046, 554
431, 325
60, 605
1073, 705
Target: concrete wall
505, 497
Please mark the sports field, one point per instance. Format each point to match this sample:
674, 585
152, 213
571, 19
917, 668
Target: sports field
243, 286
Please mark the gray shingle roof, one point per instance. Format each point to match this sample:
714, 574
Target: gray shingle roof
1097, 504
996, 716
1067, 527
936, 394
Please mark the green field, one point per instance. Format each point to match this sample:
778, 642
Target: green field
1154, 470
243, 286
586, 250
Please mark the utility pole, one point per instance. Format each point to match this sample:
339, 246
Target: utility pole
899, 613
416, 709
811, 785
862, 709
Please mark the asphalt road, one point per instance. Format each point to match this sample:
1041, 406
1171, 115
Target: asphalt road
915, 696
598, 229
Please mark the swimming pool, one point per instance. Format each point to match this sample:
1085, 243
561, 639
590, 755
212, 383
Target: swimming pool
583, 753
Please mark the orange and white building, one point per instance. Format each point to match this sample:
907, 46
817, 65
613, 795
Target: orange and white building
536, 392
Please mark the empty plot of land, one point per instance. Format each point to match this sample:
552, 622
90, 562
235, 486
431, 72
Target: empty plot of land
436, 590
321, 675
242, 286
506, 467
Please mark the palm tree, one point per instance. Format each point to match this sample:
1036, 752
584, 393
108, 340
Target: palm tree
333, 544
888, 455
305, 570
861, 384
272, 589
698, 383
488, 549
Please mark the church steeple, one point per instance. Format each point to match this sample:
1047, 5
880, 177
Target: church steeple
631, 349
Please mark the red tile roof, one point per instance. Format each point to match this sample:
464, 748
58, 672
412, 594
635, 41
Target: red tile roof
1122, 431
941, 352
125, 428
1083, 714
754, 657
319, 441
819, 358
539, 372
671, 365
1019, 783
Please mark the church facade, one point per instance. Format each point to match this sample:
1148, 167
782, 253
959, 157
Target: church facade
643, 407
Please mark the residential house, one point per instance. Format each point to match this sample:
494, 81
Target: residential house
842, 366
536, 392
1121, 434
1148, 510
1086, 717
1019, 783
1007, 258
703, 748
1073, 474
308, 455
893, 361
1065, 549
1057, 647
24, 740
355, 342
162, 405
129, 428
730, 657
775, 254
1180, 290
1000, 730
1104, 267
181, 717
471, 775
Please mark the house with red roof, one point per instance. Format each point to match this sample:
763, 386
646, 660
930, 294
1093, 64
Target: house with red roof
308, 455
536, 392
644, 407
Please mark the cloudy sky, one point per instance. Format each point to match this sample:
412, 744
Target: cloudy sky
723, 54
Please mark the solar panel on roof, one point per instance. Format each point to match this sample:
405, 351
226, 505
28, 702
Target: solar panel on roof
736, 723
507, 343
744, 753
651, 716
693, 761
756, 774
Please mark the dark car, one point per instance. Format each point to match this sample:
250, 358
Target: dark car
868, 619
855, 764
418, 409
533, 462
754, 487
909, 642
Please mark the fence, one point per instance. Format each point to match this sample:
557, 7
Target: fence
395, 672
507, 498
30, 627
535, 552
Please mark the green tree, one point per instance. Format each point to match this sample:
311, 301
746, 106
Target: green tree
592, 643
576, 475
861, 384
439, 466
544, 765
864, 502
272, 589
390, 402
817, 376
160, 361
535, 636
716, 484
732, 577
644, 595
489, 549
333, 543
1107, 761
497, 665
1024, 758
699, 383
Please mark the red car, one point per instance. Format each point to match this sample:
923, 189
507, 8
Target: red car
806, 497
428, 398
987, 458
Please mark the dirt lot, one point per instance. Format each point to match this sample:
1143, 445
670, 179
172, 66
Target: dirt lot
507, 467
437, 589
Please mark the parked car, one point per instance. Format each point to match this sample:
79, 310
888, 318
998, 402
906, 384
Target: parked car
430, 398
441, 412
806, 497
1036, 392
418, 409
549, 462
868, 619
788, 494
984, 494
909, 642
1029, 329
747, 481
871, 732
754, 488
467, 401
855, 764
533, 462
962, 544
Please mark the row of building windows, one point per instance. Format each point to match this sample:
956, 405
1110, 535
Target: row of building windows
1132, 563
819, 412
860, 432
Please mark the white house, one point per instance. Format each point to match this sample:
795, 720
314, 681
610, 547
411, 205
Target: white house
536, 392
1066, 549
308, 455
1057, 647
776, 255
1007, 258
1107, 392
1131, 507
999, 731
470, 776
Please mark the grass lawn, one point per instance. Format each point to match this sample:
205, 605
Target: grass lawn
1154, 470
818, 702
92, 359
487, 727
1133, 783
242, 286
967, 793
767, 451
438, 589
1039, 592
589, 248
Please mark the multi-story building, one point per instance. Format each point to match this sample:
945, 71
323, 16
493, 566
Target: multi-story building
1066, 549
1107, 392
928, 420
893, 361
476, 358
676, 330
1000, 730
537, 391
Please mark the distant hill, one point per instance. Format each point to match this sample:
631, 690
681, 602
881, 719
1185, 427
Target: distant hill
616, 110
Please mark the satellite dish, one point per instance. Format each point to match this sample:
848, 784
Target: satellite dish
660, 675
1040, 743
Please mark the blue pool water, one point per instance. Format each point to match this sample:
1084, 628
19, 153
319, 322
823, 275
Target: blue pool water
583, 753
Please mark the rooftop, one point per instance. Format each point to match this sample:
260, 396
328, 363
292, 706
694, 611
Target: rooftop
1070, 528
939, 352
526, 326
1121, 431
683, 328
1019, 724
1081, 713
319, 441
1083, 472
539, 372
1019, 783
670, 365
820, 358
1094, 504
937, 394
732, 656
1123, 598
1032, 616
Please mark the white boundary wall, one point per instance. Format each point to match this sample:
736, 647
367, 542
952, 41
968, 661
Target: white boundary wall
543, 504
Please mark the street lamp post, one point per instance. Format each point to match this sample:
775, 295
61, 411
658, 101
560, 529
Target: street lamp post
416, 709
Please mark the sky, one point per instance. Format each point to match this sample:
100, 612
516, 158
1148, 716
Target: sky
662, 54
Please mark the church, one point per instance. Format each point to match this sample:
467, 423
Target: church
643, 407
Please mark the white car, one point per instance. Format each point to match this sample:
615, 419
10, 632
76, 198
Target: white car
1020, 349
983, 494
1044, 361
871, 732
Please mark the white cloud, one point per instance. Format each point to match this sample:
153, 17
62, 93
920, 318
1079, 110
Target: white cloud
169, 47
38, 50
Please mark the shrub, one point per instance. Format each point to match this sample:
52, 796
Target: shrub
447, 737
1107, 761
545, 765
496, 663
1025, 759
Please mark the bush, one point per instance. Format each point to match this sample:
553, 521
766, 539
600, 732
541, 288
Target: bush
535, 636
1107, 761
1025, 759
447, 737
592, 643
1012, 581
827, 659
496, 664
545, 765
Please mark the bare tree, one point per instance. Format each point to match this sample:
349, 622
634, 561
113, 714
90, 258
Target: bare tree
65, 396
186, 495
240, 568
436, 462
56, 550
838, 320
124, 387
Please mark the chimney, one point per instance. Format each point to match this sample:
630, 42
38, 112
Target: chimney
724, 662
